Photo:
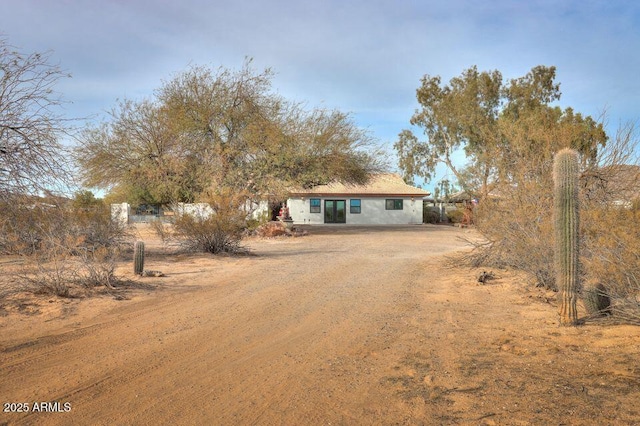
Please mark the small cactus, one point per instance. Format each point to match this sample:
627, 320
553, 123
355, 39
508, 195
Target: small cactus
596, 300
138, 258
567, 237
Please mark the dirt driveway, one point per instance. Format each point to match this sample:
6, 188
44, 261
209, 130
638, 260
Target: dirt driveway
344, 326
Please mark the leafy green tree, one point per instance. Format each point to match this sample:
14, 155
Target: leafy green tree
509, 132
220, 131
443, 190
86, 200
460, 115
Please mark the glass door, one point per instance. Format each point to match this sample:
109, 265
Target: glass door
335, 211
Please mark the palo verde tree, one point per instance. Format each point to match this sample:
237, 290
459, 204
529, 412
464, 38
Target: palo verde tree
221, 131
31, 125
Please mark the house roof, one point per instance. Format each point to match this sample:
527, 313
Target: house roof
379, 185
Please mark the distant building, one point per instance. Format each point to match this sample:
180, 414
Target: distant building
385, 200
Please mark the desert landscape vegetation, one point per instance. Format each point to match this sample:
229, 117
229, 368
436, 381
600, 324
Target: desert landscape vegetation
527, 314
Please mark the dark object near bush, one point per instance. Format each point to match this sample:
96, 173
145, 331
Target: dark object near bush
485, 276
597, 301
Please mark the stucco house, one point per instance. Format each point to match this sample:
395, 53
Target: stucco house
385, 200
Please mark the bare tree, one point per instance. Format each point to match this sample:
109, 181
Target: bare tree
31, 155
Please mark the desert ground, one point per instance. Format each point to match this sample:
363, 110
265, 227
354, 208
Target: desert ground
344, 326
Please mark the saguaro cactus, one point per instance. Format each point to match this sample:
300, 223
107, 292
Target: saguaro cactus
138, 258
567, 233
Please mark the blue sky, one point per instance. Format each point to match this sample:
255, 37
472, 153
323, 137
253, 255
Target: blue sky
365, 57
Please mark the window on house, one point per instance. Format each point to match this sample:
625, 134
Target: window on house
393, 204
355, 206
315, 205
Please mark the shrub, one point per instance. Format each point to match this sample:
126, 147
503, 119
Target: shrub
98, 268
215, 234
596, 300
28, 227
96, 230
518, 232
64, 247
219, 232
50, 278
455, 216
67, 273
22, 227
612, 257
271, 229
430, 215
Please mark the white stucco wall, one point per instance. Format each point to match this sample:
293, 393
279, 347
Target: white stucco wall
120, 213
373, 211
197, 210
258, 210
255, 210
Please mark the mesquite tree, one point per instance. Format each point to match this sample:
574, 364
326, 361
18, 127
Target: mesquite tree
567, 225
226, 130
31, 125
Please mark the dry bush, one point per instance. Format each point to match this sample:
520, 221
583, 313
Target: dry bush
271, 229
611, 218
612, 257
518, 232
214, 234
162, 230
218, 232
22, 227
52, 277
66, 274
97, 268
96, 229
29, 227
455, 216
612, 245
66, 250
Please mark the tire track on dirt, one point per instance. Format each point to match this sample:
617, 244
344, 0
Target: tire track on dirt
283, 338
